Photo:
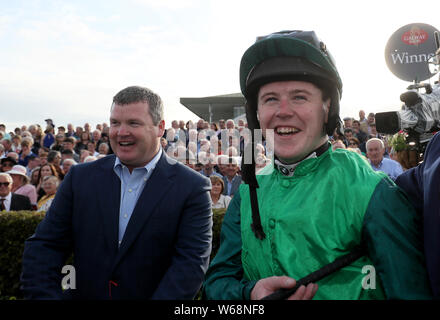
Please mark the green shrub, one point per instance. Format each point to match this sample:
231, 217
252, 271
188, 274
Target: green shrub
15, 228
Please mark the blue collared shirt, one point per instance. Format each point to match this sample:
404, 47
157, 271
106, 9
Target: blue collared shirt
391, 167
230, 182
132, 185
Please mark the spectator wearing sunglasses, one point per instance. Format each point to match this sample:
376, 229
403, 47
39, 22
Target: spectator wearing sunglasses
10, 201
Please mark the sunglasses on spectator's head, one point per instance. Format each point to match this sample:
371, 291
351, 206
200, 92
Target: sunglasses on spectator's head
4, 184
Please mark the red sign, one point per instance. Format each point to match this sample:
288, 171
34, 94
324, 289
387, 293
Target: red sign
415, 36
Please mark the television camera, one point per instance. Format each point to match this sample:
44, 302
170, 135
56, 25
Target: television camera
419, 117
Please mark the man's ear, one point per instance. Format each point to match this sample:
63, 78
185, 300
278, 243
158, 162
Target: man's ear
161, 127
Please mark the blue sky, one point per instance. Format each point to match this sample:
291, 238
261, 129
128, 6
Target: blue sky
67, 59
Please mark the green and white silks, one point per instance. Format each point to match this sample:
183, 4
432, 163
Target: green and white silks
331, 204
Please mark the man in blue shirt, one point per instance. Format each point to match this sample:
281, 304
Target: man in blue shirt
139, 223
375, 152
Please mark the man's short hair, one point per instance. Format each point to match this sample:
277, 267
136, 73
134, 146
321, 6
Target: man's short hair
135, 94
347, 130
7, 176
70, 160
67, 151
375, 139
72, 140
32, 157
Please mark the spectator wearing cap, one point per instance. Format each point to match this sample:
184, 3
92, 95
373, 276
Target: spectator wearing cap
348, 122
7, 164
62, 131
50, 122
10, 201
26, 146
21, 184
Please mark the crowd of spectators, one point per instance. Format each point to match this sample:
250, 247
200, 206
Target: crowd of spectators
37, 159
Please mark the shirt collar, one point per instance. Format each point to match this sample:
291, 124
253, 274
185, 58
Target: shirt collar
149, 166
379, 165
8, 197
289, 169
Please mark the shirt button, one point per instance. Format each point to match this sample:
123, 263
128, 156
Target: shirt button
145, 179
285, 183
125, 216
272, 223
130, 190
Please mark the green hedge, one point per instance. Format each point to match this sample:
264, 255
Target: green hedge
17, 226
